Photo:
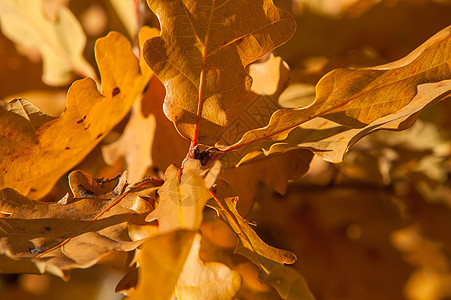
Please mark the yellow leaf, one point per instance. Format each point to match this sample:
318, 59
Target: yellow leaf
161, 261
37, 152
206, 280
78, 233
288, 283
60, 43
182, 199
331, 141
356, 98
202, 53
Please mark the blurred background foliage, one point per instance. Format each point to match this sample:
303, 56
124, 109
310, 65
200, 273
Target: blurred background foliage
376, 226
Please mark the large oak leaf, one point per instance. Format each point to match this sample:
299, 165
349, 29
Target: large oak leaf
201, 279
36, 151
207, 44
183, 196
356, 98
161, 261
331, 141
270, 260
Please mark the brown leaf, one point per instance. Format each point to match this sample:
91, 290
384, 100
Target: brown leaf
60, 42
356, 98
61, 236
37, 152
207, 44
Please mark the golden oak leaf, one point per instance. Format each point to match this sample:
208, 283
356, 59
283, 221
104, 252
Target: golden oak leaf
161, 262
206, 280
226, 209
36, 151
356, 98
182, 199
60, 42
331, 141
288, 283
61, 236
202, 52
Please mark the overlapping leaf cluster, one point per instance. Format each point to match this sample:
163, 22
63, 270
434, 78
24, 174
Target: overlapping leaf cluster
220, 97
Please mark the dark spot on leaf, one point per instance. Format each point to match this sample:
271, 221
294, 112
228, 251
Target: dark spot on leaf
87, 126
47, 228
33, 190
67, 148
79, 121
99, 135
116, 91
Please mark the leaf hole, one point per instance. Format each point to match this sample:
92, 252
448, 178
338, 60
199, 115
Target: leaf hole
36, 250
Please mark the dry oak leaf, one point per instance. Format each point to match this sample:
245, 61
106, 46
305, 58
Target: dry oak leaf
206, 280
36, 151
356, 98
161, 261
60, 42
331, 141
182, 199
288, 283
43, 227
202, 52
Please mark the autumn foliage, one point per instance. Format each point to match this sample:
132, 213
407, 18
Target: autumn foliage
162, 152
